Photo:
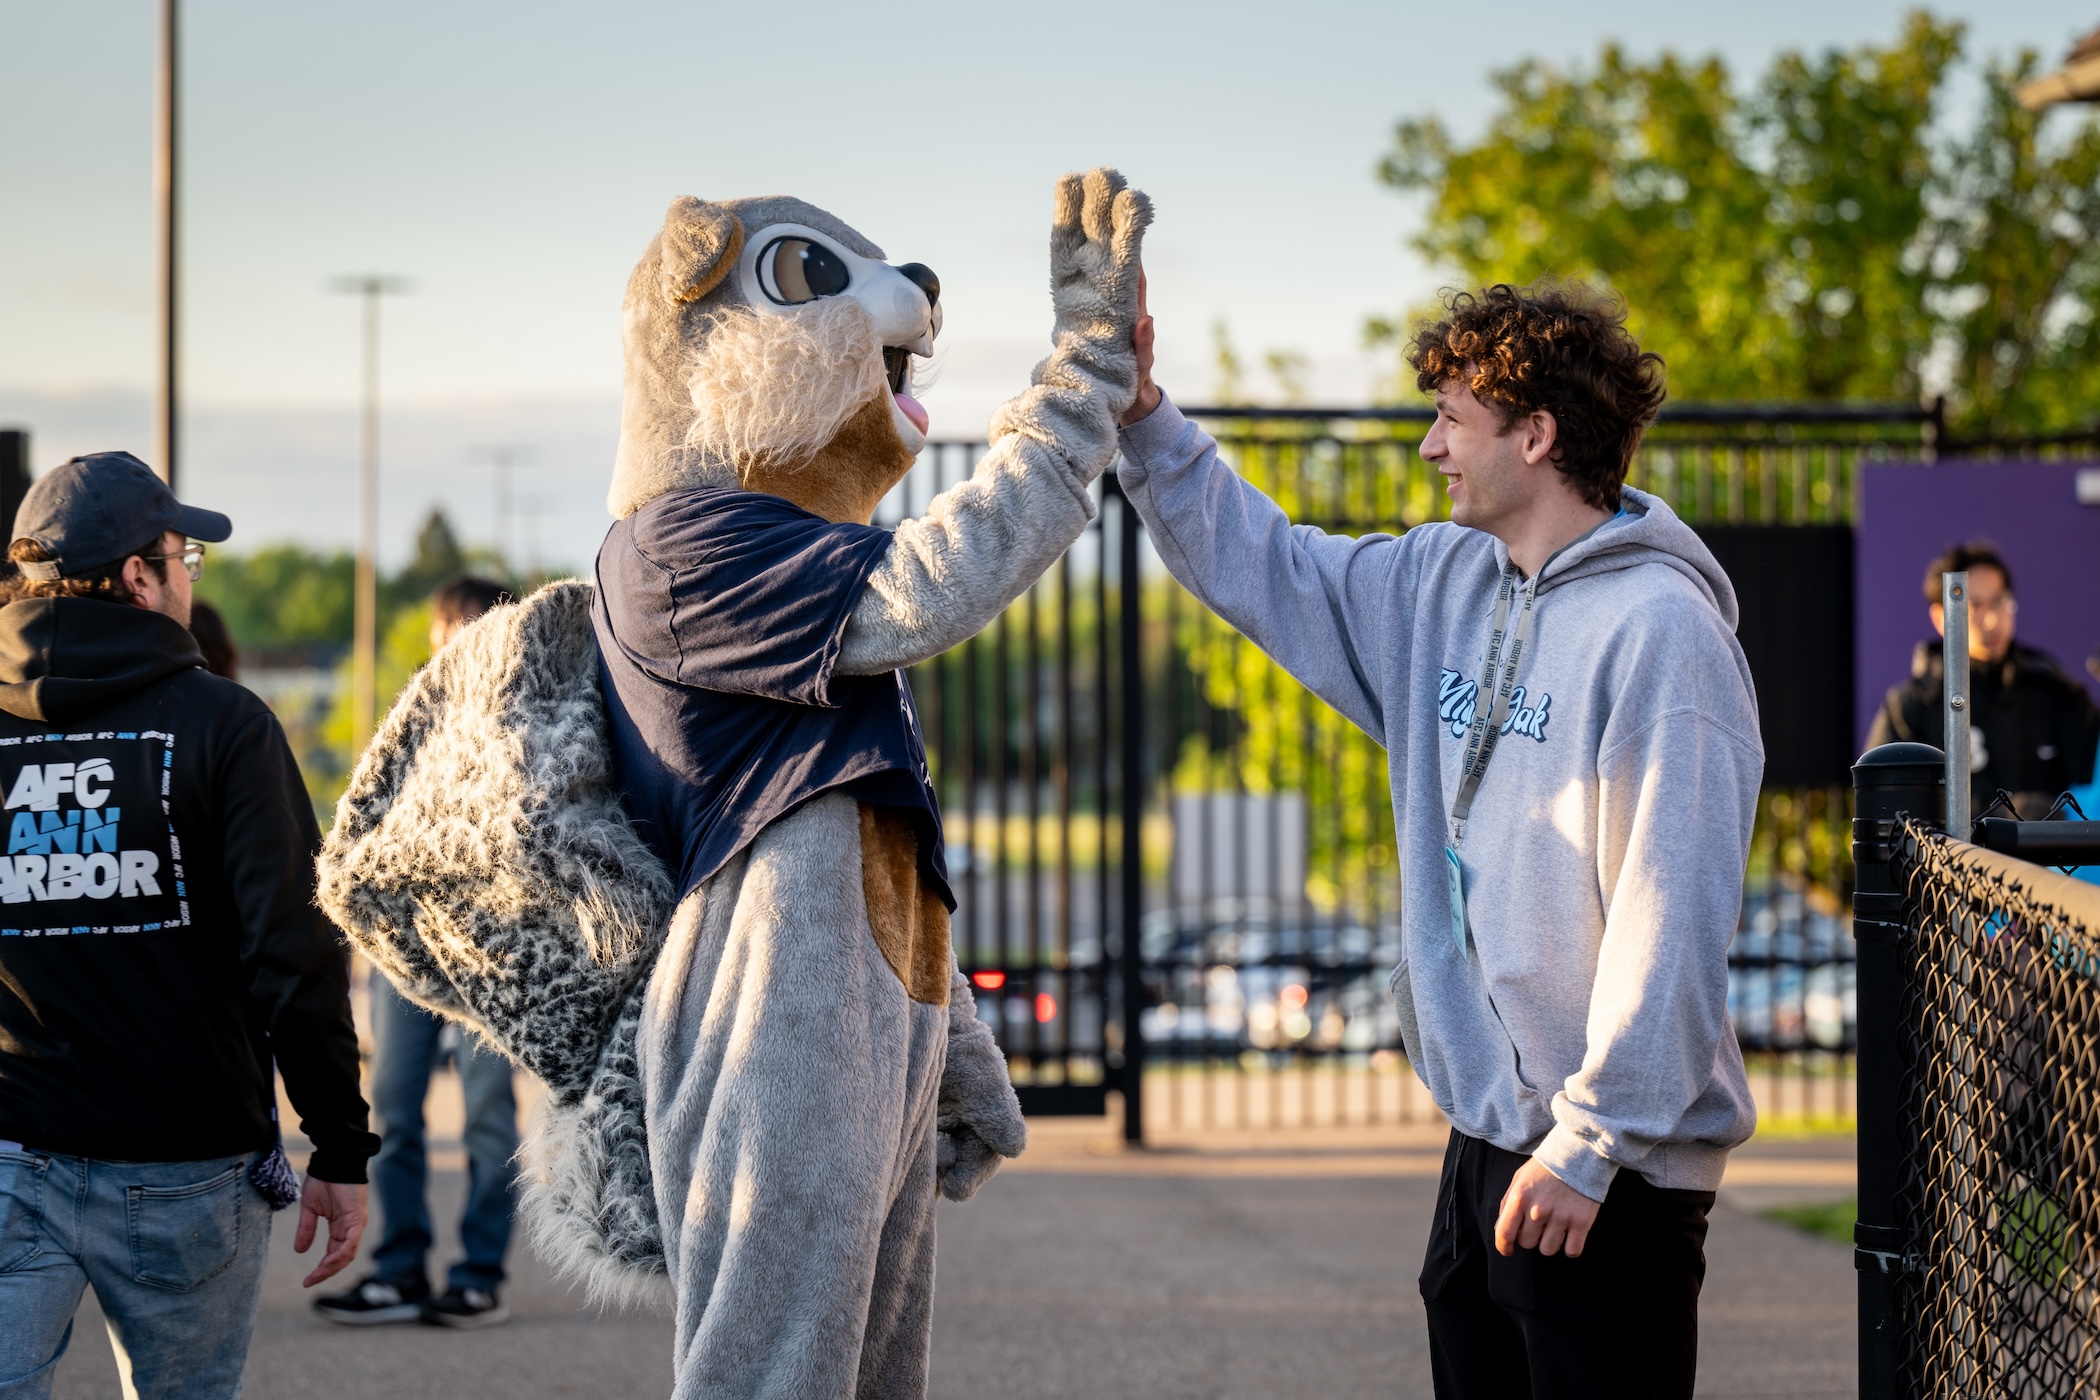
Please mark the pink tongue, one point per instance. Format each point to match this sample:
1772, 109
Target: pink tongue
913, 410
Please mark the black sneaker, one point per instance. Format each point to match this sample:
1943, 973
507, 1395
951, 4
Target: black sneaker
466, 1307
375, 1301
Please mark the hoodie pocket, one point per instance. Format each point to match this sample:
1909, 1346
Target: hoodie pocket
1402, 986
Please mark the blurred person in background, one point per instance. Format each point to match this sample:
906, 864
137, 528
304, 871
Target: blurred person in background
159, 948
2033, 729
409, 1044
221, 656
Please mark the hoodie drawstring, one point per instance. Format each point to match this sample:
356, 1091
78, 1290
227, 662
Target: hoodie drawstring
1458, 1163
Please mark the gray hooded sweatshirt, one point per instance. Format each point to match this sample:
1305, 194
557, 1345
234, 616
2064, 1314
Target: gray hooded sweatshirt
1585, 1021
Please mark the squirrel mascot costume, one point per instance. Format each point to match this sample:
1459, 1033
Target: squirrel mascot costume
669, 841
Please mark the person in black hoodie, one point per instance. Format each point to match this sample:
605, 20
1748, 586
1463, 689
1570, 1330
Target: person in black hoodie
2033, 729
159, 949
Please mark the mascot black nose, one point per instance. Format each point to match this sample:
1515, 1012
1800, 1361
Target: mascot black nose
922, 277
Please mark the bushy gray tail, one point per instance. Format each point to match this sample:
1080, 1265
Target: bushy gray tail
481, 859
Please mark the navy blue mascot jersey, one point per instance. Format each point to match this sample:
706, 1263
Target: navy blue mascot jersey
720, 614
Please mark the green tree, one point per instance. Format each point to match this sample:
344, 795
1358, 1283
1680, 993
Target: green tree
404, 648
438, 558
2017, 263
286, 597
282, 596
318, 724
1820, 235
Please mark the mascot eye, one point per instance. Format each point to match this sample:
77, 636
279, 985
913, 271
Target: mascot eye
795, 270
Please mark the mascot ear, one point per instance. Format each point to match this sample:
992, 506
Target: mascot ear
701, 244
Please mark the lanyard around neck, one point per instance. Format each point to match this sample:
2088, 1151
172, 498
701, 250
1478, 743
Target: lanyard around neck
1488, 719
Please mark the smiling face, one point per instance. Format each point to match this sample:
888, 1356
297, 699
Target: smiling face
770, 346
1483, 463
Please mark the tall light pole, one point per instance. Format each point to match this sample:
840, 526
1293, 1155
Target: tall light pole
505, 458
364, 663
529, 507
165, 438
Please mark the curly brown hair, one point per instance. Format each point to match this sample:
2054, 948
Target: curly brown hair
1560, 347
105, 583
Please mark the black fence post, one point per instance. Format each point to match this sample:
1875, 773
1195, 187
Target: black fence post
14, 478
1131, 765
1892, 780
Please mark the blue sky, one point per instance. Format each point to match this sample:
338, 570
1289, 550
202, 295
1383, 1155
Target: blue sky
514, 159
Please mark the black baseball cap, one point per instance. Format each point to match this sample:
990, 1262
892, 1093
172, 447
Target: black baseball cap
94, 510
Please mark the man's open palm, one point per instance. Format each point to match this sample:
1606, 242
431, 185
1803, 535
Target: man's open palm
1542, 1212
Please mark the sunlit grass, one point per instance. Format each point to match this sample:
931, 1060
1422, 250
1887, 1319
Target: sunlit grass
986, 836
1830, 1220
1796, 1127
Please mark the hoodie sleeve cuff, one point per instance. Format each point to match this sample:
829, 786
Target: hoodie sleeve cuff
1150, 439
337, 1166
342, 1157
1576, 1162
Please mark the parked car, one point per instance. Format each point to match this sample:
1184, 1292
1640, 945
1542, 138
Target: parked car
1230, 978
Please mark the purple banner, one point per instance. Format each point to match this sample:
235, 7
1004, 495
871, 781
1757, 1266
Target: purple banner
2030, 510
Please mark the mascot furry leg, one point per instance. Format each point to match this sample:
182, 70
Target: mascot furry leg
792, 1090
670, 841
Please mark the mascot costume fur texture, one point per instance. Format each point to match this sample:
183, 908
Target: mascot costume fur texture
669, 842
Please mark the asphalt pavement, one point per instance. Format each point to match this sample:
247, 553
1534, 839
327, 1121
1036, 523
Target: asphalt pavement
1207, 1270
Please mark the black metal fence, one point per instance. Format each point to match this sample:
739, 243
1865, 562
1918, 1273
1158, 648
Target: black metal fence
1119, 769
2002, 1015
1979, 1135
1022, 725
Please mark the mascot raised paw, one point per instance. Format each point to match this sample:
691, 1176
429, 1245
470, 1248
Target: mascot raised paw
668, 838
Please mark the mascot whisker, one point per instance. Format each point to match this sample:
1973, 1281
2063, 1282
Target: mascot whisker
667, 838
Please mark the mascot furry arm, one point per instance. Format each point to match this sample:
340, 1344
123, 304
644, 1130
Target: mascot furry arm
761, 1059
980, 545
983, 543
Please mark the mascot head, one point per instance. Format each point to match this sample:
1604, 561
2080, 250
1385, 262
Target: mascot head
770, 347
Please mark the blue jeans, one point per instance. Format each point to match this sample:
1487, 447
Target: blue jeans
175, 1254
405, 1040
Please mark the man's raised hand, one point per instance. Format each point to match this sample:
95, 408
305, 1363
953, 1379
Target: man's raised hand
1141, 341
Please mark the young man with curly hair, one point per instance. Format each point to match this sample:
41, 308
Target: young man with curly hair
1575, 763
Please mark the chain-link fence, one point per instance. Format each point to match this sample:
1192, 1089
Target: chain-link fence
1997, 1201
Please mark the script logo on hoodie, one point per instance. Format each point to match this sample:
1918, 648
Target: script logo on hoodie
1454, 707
89, 848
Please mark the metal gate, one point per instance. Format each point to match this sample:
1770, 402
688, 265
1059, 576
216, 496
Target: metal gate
1029, 749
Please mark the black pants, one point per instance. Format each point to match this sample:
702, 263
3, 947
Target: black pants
1620, 1321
